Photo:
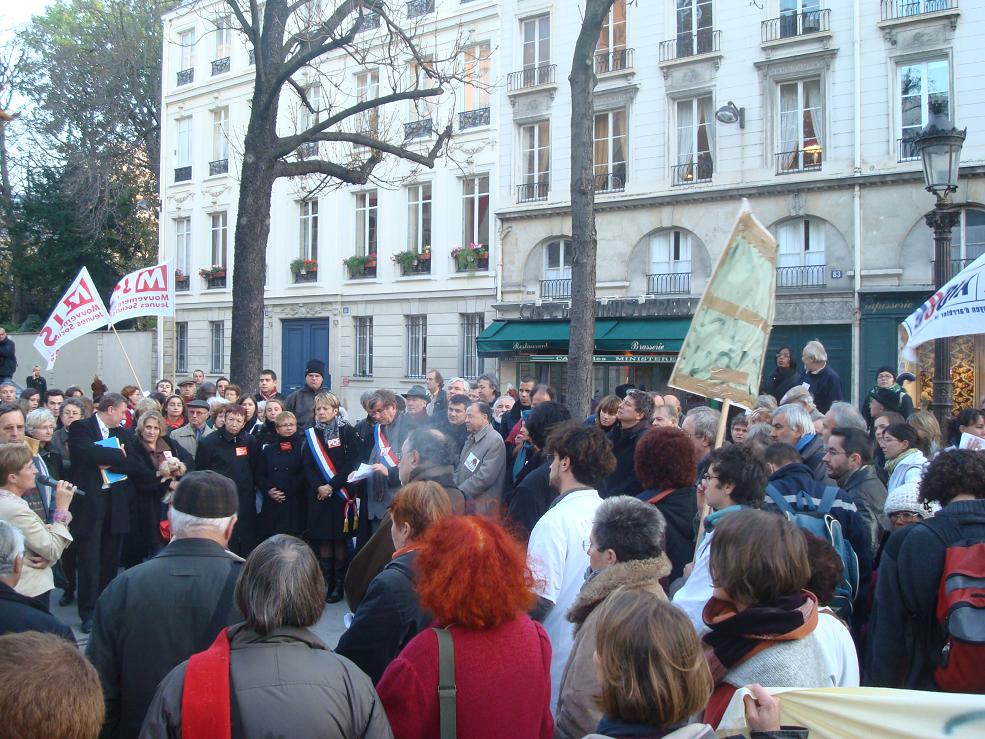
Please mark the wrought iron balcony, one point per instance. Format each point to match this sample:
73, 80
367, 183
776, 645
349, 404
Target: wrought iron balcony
672, 283
220, 66
893, 9
906, 151
215, 283
308, 150
800, 160
310, 275
416, 8
545, 74
186, 76
529, 192
803, 276
614, 60
791, 25
705, 41
473, 118
693, 172
614, 181
182, 174
219, 166
420, 266
368, 22
555, 289
181, 283
418, 129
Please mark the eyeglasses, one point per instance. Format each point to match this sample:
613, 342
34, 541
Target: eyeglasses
706, 477
829, 452
587, 545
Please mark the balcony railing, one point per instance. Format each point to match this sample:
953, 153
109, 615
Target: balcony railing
614, 60
529, 192
956, 265
215, 283
685, 45
473, 118
181, 283
555, 289
363, 273
893, 9
308, 149
672, 283
545, 74
614, 181
220, 66
219, 166
416, 8
791, 25
186, 76
692, 172
182, 174
801, 160
419, 266
310, 275
418, 129
906, 150
802, 276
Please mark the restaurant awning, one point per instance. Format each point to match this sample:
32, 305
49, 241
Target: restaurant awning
621, 335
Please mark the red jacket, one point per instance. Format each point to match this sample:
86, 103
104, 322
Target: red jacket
503, 677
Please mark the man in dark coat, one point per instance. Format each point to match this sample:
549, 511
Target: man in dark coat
848, 460
820, 379
101, 517
302, 401
633, 419
159, 613
37, 381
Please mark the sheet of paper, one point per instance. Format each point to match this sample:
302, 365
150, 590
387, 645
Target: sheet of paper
970, 441
363, 472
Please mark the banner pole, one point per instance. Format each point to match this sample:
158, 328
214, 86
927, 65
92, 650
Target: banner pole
719, 440
127, 357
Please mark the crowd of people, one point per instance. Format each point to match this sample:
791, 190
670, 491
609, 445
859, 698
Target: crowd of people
619, 575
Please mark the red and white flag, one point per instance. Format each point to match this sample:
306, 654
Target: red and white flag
146, 292
80, 311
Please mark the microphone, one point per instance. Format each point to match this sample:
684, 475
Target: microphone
52, 483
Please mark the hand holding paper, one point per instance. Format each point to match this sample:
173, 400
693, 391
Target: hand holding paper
363, 472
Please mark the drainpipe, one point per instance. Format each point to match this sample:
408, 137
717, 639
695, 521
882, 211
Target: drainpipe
857, 206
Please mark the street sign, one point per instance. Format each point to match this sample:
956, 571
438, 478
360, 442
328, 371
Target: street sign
610, 359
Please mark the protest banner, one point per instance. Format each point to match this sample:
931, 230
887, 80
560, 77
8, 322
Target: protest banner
957, 309
79, 311
145, 292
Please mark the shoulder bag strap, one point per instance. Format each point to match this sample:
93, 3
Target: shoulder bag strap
776, 496
828, 499
446, 683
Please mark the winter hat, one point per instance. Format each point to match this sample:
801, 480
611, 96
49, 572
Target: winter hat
905, 498
886, 368
206, 494
888, 398
315, 367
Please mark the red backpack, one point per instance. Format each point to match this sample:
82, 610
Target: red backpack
961, 613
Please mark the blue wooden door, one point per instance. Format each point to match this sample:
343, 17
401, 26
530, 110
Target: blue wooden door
302, 340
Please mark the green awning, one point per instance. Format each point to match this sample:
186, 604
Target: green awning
623, 335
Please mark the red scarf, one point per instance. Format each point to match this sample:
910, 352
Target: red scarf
205, 706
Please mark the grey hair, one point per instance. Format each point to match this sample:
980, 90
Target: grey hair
846, 415
281, 585
705, 422
815, 351
185, 526
465, 383
8, 383
799, 394
38, 418
11, 547
490, 378
766, 401
432, 446
797, 418
629, 527
758, 436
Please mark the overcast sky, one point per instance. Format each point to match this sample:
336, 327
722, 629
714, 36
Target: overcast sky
15, 13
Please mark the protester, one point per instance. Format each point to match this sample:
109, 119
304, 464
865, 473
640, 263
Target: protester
252, 423
29, 400
929, 440
701, 425
904, 461
581, 457
739, 428
387, 436
626, 552
802, 397
848, 460
187, 389
504, 404
47, 689
820, 379
481, 469
174, 412
473, 579
910, 580
8, 356
197, 428
270, 675
154, 615
784, 376
302, 401
758, 437
389, 615
279, 480
879, 427
841, 415
37, 381
416, 406
524, 402
164, 387
634, 416
452, 424
40, 427
887, 395
266, 432
266, 387
969, 421
904, 508
437, 397
8, 392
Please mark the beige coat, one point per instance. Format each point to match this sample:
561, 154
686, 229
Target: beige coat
48, 541
576, 713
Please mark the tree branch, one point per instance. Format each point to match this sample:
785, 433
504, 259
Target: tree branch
246, 26
368, 141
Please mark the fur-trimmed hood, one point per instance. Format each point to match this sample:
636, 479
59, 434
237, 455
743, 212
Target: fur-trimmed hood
637, 573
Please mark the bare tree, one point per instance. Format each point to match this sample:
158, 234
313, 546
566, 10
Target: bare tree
341, 135
581, 345
11, 73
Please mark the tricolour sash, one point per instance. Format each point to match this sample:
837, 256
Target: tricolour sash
382, 446
324, 463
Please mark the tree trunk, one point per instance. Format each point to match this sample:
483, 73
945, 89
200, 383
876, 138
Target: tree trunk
581, 344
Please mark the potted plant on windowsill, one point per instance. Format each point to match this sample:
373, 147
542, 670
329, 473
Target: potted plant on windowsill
304, 270
211, 273
360, 266
472, 257
180, 280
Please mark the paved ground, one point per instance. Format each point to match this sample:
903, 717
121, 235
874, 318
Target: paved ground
329, 628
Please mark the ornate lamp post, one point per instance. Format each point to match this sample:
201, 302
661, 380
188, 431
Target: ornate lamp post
939, 145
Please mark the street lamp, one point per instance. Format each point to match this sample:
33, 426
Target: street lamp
939, 144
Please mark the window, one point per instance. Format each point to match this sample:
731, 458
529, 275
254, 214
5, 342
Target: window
417, 346
368, 88
419, 217
536, 167
181, 346
308, 229
220, 140
186, 50
223, 35
472, 325
422, 108
183, 153
220, 235
610, 52
536, 34
800, 256
475, 210
610, 151
695, 141
557, 260
670, 262
478, 76
920, 85
311, 117
801, 138
217, 332
183, 245
364, 346
694, 27
799, 16
968, 239
366, 224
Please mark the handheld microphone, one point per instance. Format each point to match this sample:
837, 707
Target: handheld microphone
52, 483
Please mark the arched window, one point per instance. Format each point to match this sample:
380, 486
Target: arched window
968, 238
670, 262
800, 258
557, 260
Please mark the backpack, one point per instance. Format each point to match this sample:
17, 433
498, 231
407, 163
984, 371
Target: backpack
961, 613
817, 520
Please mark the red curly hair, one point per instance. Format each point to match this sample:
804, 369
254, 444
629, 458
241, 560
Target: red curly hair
471, 572
665, 458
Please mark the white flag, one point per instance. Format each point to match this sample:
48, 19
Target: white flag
80, 311
146, 292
